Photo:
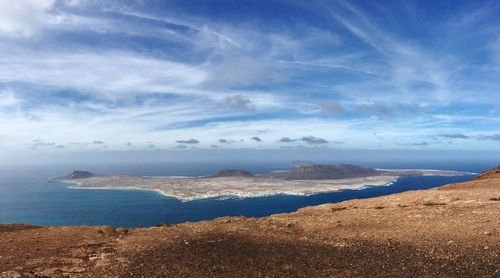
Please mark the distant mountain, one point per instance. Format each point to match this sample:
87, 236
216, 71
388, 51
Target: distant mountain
324, 172
232, 173
298, 163
303, 171
77, 174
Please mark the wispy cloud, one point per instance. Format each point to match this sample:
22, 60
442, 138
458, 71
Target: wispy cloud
229, 141
331, 107
455, 136
492, 137
286, 140
256, 139
118, 73
38, 143
314, 140
421, 144
181, 147
236, 102
75, 70
23, 18
190, 141
9, 99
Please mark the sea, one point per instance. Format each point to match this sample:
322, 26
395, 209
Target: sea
27, 197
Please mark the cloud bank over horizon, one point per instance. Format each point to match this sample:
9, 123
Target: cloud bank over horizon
79, 75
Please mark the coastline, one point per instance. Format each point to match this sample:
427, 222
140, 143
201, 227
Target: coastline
73, 186
223, 194
430, 172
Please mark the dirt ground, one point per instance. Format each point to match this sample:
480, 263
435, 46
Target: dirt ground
451, 231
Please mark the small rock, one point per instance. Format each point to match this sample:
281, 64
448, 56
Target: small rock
339, 244
337, 209
11, 274
75, 269
122, 230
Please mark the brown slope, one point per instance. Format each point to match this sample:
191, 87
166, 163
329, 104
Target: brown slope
324, 172
452, 231
232, 173
490, 174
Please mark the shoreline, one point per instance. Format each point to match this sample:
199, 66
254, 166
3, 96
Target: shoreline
430, 172
223, 194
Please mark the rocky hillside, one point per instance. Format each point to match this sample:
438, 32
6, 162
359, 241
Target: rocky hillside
490, 174
232, 173
451, 231
78, 175
324, 172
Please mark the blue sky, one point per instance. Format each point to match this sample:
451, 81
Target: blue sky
91, 75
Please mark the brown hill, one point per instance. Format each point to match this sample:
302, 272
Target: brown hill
232, 173
324, 172
451, 231
77, 174
490, 174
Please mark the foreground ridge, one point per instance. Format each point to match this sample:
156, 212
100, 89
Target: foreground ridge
450, 231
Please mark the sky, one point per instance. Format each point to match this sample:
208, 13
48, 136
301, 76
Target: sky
119, 76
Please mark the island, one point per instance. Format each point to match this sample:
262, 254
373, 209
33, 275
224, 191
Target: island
306, 179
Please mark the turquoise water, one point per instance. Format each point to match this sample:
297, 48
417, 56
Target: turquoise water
28, 198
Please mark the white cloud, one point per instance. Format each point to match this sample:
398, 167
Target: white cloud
230, 80
113, 74
495, 47
245, 71
72, 2
23, 18
8, 99
406, 62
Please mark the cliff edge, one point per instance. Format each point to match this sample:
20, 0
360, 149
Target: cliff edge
490, 174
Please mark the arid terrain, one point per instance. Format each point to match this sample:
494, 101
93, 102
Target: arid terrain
451, 231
